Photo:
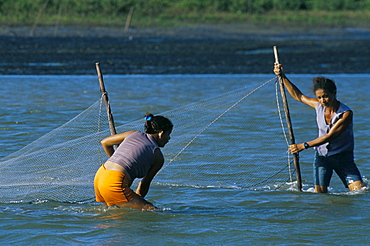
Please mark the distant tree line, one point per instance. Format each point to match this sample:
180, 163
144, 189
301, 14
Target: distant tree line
22, 11
157, 7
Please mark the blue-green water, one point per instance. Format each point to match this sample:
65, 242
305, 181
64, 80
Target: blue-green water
192, 215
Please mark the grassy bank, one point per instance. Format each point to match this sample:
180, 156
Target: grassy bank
281, 18
167, 13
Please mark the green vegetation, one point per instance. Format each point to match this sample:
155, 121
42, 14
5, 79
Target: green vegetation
186, 12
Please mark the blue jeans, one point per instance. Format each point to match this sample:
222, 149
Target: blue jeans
342, 163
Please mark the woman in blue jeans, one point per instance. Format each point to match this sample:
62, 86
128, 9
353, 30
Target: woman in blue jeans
335, 144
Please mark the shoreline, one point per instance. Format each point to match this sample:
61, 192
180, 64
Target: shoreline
211, 49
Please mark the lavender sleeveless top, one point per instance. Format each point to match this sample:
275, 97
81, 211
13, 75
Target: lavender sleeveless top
135, 154
343, 142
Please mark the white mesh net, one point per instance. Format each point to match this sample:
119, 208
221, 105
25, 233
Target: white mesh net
55, 166
60, 167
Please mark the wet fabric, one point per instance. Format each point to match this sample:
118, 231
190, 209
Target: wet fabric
136, 154
112, 187
342, 164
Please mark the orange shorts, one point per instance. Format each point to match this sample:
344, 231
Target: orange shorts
112, 187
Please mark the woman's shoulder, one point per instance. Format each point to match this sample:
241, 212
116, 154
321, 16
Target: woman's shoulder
319, 107
343, 108
132, 133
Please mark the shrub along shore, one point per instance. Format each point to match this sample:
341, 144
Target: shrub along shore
167, 13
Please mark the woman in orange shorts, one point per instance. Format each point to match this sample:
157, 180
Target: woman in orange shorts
138, 156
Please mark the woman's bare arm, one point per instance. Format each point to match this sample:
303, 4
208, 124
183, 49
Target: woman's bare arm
144, 184
334, 132
292, 89
113, 140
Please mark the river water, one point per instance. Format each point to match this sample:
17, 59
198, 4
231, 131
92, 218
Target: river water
191, 214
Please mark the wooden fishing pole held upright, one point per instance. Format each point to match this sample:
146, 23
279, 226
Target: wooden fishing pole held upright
289, 124
106, 100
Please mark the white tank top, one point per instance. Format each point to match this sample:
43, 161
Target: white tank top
344, 142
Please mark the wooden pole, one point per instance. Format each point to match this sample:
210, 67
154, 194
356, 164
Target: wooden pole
106, 100
38, 17
128, 19
289, 124
57, 23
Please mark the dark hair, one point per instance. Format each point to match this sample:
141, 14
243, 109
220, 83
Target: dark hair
156, 124
324, 84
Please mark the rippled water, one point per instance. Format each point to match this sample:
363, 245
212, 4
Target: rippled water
192, 215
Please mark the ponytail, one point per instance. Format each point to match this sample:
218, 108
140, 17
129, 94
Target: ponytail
155, 124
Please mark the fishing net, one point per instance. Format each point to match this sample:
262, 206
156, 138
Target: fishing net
58, 165
243, 122
233, 140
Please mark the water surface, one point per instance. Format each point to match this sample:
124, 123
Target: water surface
191, 214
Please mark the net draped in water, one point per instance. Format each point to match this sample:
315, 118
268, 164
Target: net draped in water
233, 140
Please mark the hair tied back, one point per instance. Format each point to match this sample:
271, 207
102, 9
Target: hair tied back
148, 118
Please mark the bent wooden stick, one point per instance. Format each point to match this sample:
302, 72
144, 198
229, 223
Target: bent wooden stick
289, 124
106, 100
